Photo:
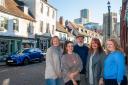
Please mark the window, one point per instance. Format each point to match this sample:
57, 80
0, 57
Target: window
47, 11
41, 26
3, 23
47, 28
53, 14
41, 7
53, 29
30, 28
15, 24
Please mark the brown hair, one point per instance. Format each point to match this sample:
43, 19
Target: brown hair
65, 45
116, 45
54, 38
97, 41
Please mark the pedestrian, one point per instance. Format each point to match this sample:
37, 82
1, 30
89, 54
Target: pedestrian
82, 50
53, 63
114, 64
71, 65
94, 66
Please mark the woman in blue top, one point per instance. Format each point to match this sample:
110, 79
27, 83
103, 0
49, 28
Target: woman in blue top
114, 64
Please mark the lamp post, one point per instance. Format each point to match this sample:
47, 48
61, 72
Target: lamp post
109, 17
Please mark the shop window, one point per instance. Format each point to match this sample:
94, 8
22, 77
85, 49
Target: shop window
3, 23
3, 47
15, 25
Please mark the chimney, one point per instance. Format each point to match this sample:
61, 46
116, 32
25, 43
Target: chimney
61, 21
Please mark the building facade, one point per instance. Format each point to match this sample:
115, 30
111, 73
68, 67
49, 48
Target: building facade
109, 32
16, 28
46, 17
84, 17
84, 13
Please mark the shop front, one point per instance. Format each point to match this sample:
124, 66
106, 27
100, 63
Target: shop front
43, 41
9, 45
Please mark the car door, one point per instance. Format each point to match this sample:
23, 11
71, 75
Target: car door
32, 54
38, 55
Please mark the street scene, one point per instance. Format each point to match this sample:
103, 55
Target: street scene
59, 42
32, 74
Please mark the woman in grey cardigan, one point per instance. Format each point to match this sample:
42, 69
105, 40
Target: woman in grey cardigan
71, 65
53, 60
94, 66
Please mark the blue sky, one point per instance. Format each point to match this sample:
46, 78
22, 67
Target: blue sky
70, 9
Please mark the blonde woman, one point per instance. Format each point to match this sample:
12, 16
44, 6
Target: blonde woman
114, 65
53, 61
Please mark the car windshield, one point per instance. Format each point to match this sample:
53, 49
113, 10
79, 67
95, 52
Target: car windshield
22, 51
26, 51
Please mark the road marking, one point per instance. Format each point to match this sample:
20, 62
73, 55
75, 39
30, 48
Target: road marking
3, 70
6, 81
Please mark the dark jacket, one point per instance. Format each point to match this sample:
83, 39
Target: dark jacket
83, 53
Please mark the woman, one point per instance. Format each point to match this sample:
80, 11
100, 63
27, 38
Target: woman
94, 67
71, 65
53, 61
114, 65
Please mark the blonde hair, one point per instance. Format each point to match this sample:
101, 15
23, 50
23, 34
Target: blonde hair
51, 42
116, 45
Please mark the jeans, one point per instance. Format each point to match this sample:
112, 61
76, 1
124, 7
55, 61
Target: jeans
57, 81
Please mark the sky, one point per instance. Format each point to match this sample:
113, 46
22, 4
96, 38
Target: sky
70, 9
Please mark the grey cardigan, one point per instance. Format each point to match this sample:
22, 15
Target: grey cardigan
53, 62
97, 67
69, 66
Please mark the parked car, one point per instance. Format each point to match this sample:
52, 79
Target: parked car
25, 56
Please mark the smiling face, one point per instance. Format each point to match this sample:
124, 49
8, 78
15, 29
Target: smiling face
55, 42
69, 47
110, 46
94, 45
80, 40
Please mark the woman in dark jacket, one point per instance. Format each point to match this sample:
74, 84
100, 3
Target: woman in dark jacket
94, 65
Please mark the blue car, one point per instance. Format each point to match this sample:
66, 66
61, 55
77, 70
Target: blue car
25, 56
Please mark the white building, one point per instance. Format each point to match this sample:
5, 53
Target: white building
45, 16
16, 28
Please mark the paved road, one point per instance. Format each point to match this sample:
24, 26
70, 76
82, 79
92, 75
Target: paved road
32, 74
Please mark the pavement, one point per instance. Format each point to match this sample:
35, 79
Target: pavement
2, 63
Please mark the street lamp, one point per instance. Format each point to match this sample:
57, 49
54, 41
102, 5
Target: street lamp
109, 21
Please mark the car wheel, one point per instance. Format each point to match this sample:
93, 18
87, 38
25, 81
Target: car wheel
26, 61
41, 59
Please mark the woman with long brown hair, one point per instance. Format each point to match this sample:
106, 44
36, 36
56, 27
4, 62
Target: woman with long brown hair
94, 67
71, 65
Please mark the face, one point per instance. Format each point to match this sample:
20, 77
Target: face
94, 45
55, 42
110, 46
69, 47
80, 40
